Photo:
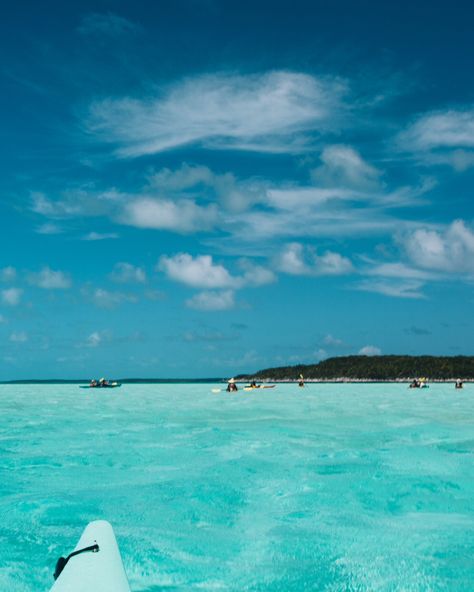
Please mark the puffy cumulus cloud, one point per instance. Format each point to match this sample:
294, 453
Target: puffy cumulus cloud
265, 112
290, 260
124, 273
254, 275
8, 274
212, 300
11, 296
331, 341
96, 338
369, 350
197, 272
396, 288
108, 24
202, 272
19, 337
343, 166
296, 259
162, 214
142, 209
48, 279
450, 250
442, 137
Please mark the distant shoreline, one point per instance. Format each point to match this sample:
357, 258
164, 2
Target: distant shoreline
121, 380
341, 380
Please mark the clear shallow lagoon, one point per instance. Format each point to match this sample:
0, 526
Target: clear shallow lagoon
333, 487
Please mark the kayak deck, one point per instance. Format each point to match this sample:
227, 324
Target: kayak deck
101, 570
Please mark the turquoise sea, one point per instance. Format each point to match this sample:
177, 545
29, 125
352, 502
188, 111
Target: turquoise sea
334, 487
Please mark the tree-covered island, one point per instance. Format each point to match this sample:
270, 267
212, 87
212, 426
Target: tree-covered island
373, 368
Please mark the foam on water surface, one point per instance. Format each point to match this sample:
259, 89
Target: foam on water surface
332, 487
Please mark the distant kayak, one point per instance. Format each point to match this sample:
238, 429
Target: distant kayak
101, 386
95, 563
259, 386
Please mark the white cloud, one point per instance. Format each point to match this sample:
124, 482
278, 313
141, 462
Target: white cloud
96, 236
332, 341
181, 216
233, 195
342, 166
395, 288
451, 250
256, 112
202, 272
442, 137
369, 350
291, 260
19, 337
296, 259
198, 272
254, 275
55, 209
49, 279
330, 263
8, 274
441, 129
400, 270
106, 299
211, 300
127, 273
12, 296
49, 228
110, 25
94, 339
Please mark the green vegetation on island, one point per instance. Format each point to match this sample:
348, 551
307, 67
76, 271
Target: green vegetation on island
374, 368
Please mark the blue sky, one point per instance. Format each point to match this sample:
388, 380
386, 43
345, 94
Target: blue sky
204, 188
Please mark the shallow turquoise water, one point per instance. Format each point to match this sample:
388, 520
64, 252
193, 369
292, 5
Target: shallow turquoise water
331, 487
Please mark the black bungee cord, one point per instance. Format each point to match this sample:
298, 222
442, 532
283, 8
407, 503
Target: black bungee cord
62, 561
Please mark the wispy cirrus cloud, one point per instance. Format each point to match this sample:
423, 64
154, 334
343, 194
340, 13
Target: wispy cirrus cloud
224, 188
107, 299
268, 112
108, 24
49, 228
396, 288
97, 236
400, 270
442, 137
